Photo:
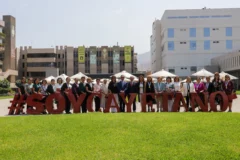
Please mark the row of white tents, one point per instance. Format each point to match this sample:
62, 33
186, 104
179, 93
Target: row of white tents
162, 73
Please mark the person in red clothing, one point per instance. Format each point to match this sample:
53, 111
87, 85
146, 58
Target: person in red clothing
228, 88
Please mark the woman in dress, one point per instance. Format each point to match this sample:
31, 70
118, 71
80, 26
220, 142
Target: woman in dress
228, 88
170, 89
113, 89
104, 90
217, 86
140, 87
149, 88
200, 88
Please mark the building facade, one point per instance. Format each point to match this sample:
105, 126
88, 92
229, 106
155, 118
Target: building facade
229, 63
185, 41
7, 49
69, 60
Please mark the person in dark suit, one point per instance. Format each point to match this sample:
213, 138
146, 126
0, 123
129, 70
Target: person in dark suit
89, 88
228, 88
51, 87
82, 90
149, 89
64, 88
132, 88
75, 89
122, 87
208, 86
113, 89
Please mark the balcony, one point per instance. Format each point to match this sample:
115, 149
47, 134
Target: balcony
2, 35
2, 48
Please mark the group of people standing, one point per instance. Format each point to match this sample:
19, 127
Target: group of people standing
85, 86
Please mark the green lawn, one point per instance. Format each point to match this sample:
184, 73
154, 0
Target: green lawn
121, 136
238, 92
6, 97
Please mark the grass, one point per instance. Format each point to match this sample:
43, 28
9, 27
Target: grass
6, 97
238, 92
121, 136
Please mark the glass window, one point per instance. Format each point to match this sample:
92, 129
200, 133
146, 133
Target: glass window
171, 71
229, 31
193, 45
228, 44
192, 32
206, 32
207, 45
170, 33
170, 45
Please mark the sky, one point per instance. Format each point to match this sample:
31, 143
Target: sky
47, 23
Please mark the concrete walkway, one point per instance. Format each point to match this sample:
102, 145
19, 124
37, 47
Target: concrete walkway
4, 104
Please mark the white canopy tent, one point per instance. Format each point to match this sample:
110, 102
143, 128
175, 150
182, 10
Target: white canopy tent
79, 76
223, 74
162, 73
125, 73
48, 79
62, 76
203, 73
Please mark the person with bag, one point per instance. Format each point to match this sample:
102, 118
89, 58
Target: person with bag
228, 88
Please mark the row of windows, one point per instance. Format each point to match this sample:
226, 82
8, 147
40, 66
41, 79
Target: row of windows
34, 74
40, 64
206, 32
193, 45
231, 62
210, 16
192, 69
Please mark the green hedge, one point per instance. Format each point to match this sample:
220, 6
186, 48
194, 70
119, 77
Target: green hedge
4, 87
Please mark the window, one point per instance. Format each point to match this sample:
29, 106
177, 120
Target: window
193, 69
228, 44
170, 33
207, 45
41, 64
206, 32
183, 42
192, 32
22, 56
171, 71
23, 65
182, 29
41, 55
58, 55
215, 29
38, 74
229, 31
215, 41
193, 45
170, 45
23, 74
63, 56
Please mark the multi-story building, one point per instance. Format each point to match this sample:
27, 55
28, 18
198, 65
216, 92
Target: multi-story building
93, 61
184, 41
7, 49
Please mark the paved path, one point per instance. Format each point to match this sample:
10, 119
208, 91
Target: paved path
4, 104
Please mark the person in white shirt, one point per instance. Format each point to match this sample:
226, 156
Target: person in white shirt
104, 90
177, 85
97, 89
59, 84
188, 88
